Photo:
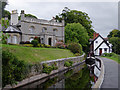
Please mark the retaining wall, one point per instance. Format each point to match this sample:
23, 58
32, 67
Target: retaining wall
36, 70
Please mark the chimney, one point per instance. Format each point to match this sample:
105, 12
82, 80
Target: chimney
14, 17
22, 14
95, 35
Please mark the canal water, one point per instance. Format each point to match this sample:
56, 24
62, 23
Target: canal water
75, 77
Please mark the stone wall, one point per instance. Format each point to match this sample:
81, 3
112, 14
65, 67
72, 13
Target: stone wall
37, 68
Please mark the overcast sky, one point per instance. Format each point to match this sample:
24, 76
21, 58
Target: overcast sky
104, 15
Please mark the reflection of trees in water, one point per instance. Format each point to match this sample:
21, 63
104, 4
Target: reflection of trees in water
80, 79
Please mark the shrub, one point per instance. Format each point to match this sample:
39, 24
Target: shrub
47, 46
75, 47
68, 63
47, 69
13, 70
35, 43
28, 45
77, 54
60, 45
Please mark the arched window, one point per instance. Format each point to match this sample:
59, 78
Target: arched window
32, 29
43, 29
14, 39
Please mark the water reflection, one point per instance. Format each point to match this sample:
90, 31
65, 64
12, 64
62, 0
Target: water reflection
76, 77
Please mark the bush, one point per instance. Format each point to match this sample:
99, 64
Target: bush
75, 47
77, 54
47, 69
35, 43
28, 45
68, 63
13, 70
60, 45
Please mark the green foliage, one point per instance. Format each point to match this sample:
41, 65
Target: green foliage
4, 23
77, 54
8, 14
75, 32
27, 45
115, 41
114, 33
13, 70
35, 43
4, 37
68, 63
75, 47
47, 69
28, 15
74, 16
112, 56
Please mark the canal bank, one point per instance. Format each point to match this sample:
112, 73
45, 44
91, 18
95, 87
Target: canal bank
37, 75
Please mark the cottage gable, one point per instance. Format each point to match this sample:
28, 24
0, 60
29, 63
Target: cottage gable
100, 45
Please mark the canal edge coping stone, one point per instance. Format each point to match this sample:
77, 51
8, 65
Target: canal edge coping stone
99, 82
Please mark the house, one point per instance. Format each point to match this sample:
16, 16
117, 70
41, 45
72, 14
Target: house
100, 45
49, 32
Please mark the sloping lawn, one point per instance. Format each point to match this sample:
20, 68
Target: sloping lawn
33, 55
113, 56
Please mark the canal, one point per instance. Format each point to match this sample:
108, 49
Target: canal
75, 77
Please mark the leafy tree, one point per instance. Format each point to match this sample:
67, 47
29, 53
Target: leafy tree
74, 16
2, 7
114, 33
7, 13
75, 32
116, 44
4, 23
28, 15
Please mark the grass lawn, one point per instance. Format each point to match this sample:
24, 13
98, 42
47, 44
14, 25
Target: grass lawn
33, 55
114, 57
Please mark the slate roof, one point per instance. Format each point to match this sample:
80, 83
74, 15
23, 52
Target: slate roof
12, 29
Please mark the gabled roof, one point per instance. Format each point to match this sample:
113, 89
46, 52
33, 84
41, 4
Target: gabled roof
12, 29
104, 40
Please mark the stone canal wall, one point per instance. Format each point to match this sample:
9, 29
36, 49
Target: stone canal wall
36, 70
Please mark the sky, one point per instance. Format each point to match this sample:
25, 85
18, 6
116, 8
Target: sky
103, 13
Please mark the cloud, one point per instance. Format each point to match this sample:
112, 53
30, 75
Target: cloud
104, 15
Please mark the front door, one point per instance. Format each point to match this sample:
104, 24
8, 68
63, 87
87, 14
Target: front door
100, 51
49, 41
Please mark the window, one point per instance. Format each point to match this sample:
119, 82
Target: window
43, 29
96, 41
32, 29
105, 50
14, 39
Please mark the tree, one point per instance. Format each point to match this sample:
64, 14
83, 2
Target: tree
7, 13
114, 33
75, 32
116, 44
74, 16
28, 15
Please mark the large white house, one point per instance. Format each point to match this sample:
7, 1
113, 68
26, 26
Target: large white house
100, 45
